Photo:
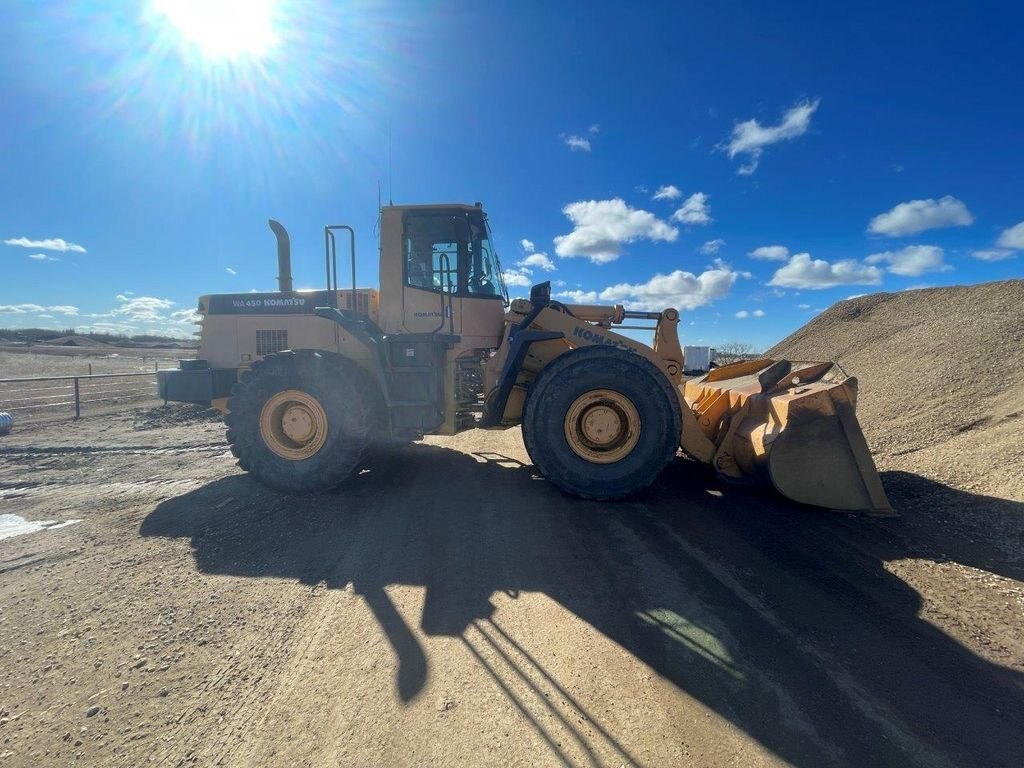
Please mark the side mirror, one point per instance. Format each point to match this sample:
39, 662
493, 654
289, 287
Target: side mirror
540, 294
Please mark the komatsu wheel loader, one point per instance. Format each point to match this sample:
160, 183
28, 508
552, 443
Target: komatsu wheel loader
307, 380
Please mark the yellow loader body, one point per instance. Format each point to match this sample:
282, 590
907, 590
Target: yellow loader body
308, 379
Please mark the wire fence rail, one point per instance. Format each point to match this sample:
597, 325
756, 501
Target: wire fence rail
45, 394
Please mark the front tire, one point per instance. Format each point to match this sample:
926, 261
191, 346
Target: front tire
601, 422
299, 421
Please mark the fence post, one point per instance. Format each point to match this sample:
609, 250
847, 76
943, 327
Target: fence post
90, 369
78, 402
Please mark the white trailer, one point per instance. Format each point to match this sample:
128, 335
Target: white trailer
696, 359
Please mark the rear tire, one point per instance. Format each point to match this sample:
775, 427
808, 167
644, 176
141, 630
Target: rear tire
601, 422
299, 421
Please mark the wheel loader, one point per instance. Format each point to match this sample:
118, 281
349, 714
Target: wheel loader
307, 380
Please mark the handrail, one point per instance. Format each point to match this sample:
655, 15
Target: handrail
331, 248
445, 266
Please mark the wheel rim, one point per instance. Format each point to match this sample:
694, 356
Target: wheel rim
602, 426
293, 424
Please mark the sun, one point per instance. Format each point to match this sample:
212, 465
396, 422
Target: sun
222, 29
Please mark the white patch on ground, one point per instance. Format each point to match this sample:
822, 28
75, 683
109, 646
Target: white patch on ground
15, 525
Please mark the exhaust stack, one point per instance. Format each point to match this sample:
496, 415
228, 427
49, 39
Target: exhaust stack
284, 257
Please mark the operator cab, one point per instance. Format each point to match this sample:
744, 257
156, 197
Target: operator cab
439, 272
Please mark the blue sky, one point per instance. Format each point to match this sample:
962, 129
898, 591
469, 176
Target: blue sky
861, 147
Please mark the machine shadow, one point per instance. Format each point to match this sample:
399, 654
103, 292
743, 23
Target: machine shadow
780, 618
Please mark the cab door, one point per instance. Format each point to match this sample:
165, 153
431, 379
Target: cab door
434, 249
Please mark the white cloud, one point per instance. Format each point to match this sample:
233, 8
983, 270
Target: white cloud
668, 192
63, 309
919, 215
804, 272
522, 273
121, 328
712, 246
695, 210
595, 128
49, 244
577, 143
602, 227
534, 259
770, 253
1012, 237
141, 308
743, 314
579, 297
185, 316
749, 138
807, 306
912, 261
994, 254
42, 257
230, 271
758, 313
517, 277
679, 289
539, 261
749, 168
48, 317
20, 309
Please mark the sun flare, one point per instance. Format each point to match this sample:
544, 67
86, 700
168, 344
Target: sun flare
222, 29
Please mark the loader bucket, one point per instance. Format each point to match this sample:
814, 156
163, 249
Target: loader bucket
792, 425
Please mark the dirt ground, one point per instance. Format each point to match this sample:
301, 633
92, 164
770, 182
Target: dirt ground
448, 607
78, 361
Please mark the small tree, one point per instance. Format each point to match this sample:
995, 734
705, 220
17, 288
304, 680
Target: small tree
733, 352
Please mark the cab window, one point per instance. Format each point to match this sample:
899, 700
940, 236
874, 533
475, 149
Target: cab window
452, 252
484, 274
432, 252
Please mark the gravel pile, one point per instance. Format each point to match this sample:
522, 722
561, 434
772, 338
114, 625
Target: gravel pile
941, 372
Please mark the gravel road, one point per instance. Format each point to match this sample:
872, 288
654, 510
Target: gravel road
448, 607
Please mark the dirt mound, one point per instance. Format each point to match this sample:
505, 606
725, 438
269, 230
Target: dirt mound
76, 341
941, 372
175, 414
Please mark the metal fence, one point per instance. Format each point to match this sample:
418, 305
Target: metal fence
54, 394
